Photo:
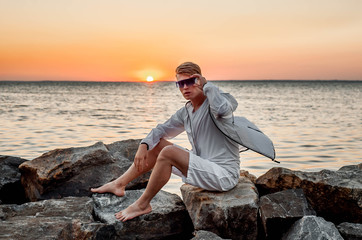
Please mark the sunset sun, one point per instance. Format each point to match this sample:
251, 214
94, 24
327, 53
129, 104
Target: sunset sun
149, 79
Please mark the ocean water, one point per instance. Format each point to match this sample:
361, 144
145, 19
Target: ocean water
314, 125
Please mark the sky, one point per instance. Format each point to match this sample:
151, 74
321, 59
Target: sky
116, 40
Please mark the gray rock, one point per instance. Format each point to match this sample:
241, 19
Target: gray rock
350, 231
205, 235
93, 218
231, 214
73, 171
334, 195
312, 228
68, 218
278, 211
124, 153
11, 190
168, 220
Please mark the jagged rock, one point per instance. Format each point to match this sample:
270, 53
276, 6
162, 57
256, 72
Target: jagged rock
350, 231
244, 173
205, 235
312, 228
73, 171
93, 218
124, 152
68, 218
278, 211
334, 195
11, 190
231, 214
168, 220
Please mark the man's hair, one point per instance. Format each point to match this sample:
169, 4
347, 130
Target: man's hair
188, 68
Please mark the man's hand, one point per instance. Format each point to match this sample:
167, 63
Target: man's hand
201, 81
140, 160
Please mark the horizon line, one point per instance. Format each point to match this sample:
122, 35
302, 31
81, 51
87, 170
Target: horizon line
214, 80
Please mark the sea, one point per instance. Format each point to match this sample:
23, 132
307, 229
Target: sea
314, 125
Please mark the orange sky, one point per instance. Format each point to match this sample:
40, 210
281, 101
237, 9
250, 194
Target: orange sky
116, 40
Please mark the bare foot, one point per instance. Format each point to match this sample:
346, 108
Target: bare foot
110, 187
134, 210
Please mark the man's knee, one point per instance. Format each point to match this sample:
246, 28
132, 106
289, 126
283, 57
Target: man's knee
175, 156
158, 148
167, 153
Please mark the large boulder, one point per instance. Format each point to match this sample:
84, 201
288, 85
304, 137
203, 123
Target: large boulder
68, 218
334, 195
350, 231
278, 211
312, 228
169, 218
11, 190
93, 218
124, 153
231, 214
73, 171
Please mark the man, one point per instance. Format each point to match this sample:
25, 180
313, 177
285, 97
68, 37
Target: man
212, 164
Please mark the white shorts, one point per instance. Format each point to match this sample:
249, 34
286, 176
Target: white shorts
206, 174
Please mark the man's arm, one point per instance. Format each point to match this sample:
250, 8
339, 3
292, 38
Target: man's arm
221, 106
167, 130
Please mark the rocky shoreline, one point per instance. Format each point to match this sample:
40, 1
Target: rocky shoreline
49, 198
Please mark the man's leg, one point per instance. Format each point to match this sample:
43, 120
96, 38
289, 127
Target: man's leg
118, 186
168, 157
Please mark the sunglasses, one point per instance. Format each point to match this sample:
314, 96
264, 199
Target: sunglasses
188, 82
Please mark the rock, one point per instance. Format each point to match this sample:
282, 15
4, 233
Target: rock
205, 235
231, 214
124, 153
93, 218
246, 174
334, 195
350, 231
168, 220
278, 211
312, 228
68, 218
11, 190
73, 171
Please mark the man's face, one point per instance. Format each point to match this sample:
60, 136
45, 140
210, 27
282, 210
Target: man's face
188, 91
